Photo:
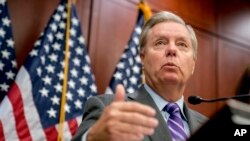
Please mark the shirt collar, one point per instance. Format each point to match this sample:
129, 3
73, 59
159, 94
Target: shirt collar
161, 103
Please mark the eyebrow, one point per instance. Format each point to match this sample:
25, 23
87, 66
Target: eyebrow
183, 38
157, 37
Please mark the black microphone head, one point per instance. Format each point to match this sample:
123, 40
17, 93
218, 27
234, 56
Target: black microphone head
194, 100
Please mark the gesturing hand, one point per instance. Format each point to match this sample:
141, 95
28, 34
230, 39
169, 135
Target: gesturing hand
123, 121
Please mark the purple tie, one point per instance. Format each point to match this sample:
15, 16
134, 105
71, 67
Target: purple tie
175, 123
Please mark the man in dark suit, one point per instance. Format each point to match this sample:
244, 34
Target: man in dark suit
156, 111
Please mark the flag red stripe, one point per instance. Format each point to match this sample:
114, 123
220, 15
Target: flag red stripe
2, 138
73, 125
22, 128
51, 133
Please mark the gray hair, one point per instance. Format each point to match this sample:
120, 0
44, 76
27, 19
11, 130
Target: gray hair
165, 16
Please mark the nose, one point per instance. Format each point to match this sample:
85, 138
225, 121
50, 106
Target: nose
171, 50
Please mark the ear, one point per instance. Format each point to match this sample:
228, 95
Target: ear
142, 55
193, 70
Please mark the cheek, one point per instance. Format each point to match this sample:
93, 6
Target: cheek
189, 66
152, 62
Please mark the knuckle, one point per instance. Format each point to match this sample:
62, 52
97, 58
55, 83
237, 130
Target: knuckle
109, 127
110, 113
113, 105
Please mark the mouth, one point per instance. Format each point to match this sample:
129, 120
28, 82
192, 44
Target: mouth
170, 65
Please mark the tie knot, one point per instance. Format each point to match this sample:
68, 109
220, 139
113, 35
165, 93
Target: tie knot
172, 108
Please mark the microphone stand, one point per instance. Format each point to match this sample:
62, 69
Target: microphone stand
226, 98
197, 100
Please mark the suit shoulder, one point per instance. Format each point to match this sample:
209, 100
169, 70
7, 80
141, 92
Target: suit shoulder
202, 118
105, 99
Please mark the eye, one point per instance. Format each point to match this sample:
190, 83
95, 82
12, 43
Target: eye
160, 42
182, 44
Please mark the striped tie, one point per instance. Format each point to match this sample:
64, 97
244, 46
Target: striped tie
175, 123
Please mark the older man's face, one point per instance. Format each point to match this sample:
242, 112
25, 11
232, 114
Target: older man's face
168, 57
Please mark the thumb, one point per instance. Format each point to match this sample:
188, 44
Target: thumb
119, 93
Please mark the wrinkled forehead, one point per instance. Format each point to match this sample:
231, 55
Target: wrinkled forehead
169, 29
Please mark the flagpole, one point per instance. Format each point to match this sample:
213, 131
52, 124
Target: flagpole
147, 12
65, 80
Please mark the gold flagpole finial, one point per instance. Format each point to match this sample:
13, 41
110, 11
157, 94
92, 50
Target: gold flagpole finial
145, 9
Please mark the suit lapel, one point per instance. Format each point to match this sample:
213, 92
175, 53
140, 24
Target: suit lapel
194, 121
161, 132
191, 119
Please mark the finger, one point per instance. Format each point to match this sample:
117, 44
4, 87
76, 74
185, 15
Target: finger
119, 93
121, 136
112, 133
134, 107
130, 137
138, 119
126, 128
132, 113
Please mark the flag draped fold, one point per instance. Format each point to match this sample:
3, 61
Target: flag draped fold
31, 109
128, 71
8, 65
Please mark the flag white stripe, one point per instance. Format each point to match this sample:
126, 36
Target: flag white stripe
66, 131
33, 120
8, 120
79, 120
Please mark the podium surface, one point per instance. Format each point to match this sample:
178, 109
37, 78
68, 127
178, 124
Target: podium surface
232, 122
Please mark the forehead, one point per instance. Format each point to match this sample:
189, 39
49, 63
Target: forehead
170, 29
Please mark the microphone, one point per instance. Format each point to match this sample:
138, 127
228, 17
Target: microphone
197, 99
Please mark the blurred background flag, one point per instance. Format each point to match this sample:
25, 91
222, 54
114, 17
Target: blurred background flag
31, 109
8, 65
128, 70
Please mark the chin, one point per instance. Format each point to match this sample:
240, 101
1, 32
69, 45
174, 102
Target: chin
171, 80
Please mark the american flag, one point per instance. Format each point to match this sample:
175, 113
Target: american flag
128, 70
31, 109
8, 65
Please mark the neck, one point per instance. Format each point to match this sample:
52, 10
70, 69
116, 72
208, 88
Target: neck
169, 92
